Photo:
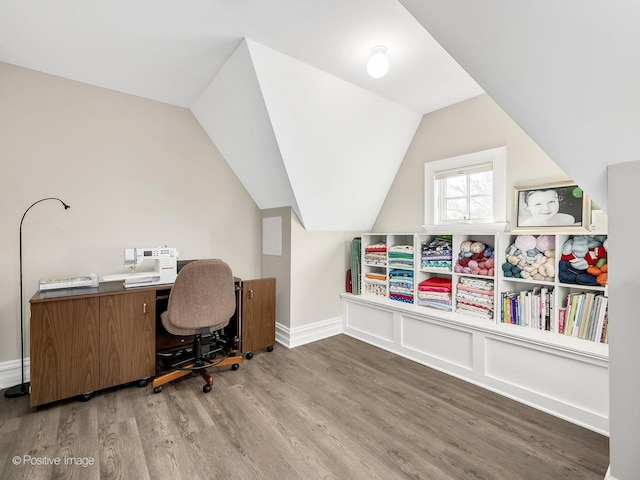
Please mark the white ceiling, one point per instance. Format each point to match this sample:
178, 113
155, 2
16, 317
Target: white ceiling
170, 50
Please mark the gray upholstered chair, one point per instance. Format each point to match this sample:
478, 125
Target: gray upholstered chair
201, 303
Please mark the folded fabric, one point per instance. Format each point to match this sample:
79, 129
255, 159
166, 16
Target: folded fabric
436, 282
434, 289
400, 283
435, 304
400, 263
446, 265
376, 247
401, 248
434, 295
477, 283
401, 297
400, 273
474, 311
436, 258
475, 290
403, 254
375, 276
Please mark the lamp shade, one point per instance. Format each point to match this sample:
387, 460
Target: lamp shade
378, 64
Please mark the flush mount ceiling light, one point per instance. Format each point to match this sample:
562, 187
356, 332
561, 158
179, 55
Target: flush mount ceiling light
378, 64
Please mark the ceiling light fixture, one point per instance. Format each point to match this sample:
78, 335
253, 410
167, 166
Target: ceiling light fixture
378, 64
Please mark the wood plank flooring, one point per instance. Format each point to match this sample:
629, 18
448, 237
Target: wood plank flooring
333, 409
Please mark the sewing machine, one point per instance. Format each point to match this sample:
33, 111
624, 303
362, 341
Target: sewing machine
148, 266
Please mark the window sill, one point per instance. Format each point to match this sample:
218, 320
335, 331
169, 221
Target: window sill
466, 228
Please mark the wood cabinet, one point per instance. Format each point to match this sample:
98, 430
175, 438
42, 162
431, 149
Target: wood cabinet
88, 340
64, 349
83, 340
258, 314
127, 337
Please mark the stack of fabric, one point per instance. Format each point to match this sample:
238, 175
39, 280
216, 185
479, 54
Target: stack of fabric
401, 256
375, 283
356, 244
401, 285
375, 254
435, 293
474, 296
437, 253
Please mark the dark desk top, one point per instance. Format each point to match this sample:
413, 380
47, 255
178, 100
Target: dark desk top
104, 288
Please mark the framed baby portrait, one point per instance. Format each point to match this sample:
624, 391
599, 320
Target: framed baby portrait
561, 205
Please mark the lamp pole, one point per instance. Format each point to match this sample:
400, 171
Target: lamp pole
23, 388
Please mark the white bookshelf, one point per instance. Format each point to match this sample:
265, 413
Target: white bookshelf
563, 375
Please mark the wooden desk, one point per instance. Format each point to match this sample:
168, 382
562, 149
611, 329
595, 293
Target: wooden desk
87, 339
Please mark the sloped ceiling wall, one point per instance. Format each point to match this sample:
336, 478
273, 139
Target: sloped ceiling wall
566, 72
297, 136
232, 112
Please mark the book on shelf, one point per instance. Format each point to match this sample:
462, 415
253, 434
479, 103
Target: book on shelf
572, 304
604, 337
528, 308
585, 316
547, 305
562, 312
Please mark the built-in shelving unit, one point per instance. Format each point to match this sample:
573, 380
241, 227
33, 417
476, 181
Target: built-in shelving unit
534, 361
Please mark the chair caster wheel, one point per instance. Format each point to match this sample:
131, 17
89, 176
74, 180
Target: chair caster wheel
270, 348
235, 366
142, 383
157, 389
85, 397
249, 355
206, 388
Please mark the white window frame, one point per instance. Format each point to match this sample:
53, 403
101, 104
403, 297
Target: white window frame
497, 157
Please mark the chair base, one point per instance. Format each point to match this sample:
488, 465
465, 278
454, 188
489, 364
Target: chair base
157, 382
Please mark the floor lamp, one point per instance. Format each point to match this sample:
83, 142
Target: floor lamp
23, 388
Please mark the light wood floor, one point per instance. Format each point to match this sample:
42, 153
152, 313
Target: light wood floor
334, 409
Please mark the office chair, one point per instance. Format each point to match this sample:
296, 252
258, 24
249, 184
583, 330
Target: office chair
201, 303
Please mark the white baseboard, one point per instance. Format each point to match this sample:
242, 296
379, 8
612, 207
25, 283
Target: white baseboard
10, 373
608, 474
294, 337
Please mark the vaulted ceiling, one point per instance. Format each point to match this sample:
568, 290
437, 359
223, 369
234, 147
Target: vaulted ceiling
567, 72
280, 86
282, 90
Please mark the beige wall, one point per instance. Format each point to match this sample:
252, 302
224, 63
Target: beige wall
279, 266
470, 126
137, 173
319, 266
309, 274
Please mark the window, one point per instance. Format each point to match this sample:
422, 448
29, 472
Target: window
465, 194
466, 189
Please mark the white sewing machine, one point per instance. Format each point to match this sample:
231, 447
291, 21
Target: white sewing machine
148, 266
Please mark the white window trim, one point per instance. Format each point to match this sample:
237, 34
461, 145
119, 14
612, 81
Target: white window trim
498, 156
